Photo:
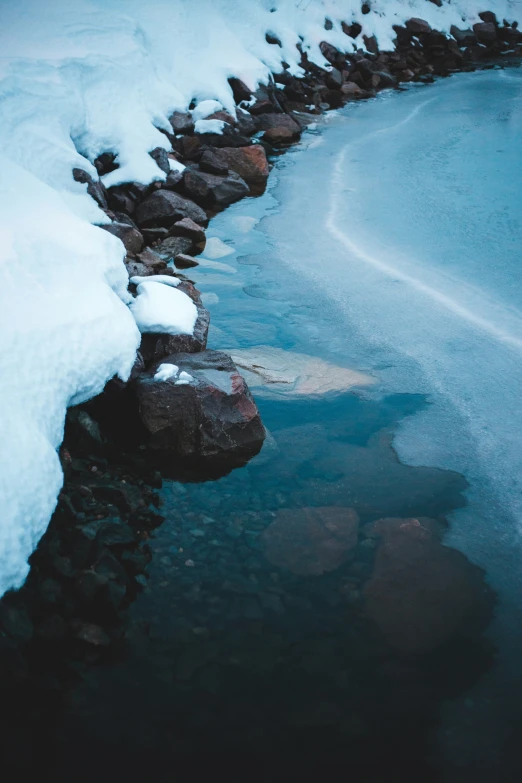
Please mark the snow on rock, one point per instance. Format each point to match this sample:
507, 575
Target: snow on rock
210, 126
82, 77
165, 279
166, 371
205, 109
162, 309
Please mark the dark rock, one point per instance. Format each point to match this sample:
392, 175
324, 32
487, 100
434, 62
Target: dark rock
156, 346
95, 188
182, 122
164, 208
129, 235
187, 228
371, 44
352, 90
273, 39
189, 147
311, 541
120, 199
488, 16
184, 261
239, 89
463, 37
213, 191
249, 162
420, 592
486, 32
115, 533
152, 235
365, 8
383, 80
172, 246
212, 415
105, 163
334, 79
212, 162
353, 30
174, 177
85, 430
151, 260
91, 634
279, 128
333, 55
162, 159
418, 26
245, 123
328, 24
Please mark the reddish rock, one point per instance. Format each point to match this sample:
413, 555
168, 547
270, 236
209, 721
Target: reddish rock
279, 128
420, 591
311, 541
249, 162
181, 122
352, 90
212, 415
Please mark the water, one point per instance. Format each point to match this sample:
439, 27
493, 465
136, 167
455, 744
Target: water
387, 243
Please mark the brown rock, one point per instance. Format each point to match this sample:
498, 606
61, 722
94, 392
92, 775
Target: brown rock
156, 346
193, 231
212, 190
129, 235
311, 541
212, 415
184, 261
418, 26
249, 162
163, 208
420, 591
352, 90
181, 122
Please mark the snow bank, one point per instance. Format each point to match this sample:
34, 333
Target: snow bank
77, 78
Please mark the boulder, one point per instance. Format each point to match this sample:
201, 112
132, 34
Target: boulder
156, 346
239, 89
486, 32
182, 122
214, 191
164, 208
418, 26
463, 37
488, 16
421, 592
187, 228
129, 235
311, 541
172, 246
95, 188
279, 128
352, 90
249, 162
184, 261
162, 159
211, 415
212, 162
353, 30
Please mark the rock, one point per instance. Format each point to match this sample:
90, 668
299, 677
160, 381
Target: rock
184, 261
418, 26
371, 44
187, 228
274, 371
85, 431
212, 162
105, 163
249, 162
129, 235
151, 260
91, 633
486, 32
182, 122
174, 177
279, 128
172, 246
121, 199
240, 90
115, 532
212, 415
420, 592
164, 208
311, 541
95, 188
384, 80
352, 90
162, 159
152, 235
213, 191
353, 30
488, 16
156, 346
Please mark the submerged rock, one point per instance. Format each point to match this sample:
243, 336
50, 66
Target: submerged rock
273, 370
311, 541
420, 592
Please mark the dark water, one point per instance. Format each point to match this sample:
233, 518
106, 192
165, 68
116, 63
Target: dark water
238, 661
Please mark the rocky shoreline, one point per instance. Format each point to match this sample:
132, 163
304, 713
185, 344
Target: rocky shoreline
92, 561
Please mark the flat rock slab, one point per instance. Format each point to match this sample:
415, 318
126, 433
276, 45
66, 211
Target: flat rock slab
275, 371
311, 541
211, 415
420, 592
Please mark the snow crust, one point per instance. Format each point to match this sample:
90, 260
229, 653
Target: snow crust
77, 78
162, 309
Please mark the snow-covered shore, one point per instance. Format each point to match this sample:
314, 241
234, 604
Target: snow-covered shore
76, 80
